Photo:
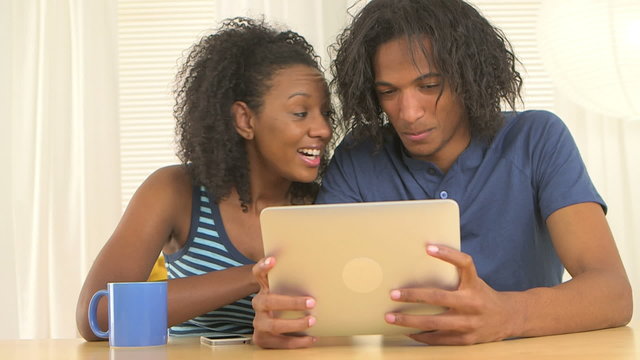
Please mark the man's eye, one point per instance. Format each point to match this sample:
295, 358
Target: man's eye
430, 86
386, 92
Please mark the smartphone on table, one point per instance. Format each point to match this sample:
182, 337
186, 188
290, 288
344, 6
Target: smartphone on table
225, 340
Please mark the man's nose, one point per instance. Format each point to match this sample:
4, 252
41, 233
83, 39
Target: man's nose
411, 107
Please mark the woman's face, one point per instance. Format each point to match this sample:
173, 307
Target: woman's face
291, 130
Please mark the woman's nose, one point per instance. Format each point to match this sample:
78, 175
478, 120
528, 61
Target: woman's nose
320, 128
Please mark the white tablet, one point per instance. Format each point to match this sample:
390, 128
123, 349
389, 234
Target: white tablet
350, 256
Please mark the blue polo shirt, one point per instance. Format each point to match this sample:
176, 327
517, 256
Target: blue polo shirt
505, 191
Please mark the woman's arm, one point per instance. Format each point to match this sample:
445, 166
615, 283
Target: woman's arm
159, 215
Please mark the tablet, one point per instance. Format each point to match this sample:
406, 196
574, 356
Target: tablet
350, 256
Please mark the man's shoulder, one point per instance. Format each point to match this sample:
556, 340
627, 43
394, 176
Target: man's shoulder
532, 120
527, 126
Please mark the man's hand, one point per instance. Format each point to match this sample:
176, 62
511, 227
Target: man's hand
475, 312
270, 332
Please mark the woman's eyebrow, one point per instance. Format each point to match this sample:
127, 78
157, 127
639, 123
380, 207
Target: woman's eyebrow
298, 93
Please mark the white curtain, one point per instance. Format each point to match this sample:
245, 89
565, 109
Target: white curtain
61, 193
319, 21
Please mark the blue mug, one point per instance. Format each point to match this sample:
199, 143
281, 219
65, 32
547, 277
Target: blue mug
137, 313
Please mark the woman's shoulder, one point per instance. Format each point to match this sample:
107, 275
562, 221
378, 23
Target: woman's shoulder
164, 198
168, 183
171, 176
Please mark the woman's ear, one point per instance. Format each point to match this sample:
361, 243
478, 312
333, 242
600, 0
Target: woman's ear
243, 118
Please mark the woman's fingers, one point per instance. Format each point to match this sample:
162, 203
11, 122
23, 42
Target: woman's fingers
270, 331
277, 326
260, 271
276, 302
269, 341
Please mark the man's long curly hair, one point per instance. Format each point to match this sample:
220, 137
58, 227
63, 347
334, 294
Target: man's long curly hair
475, 59
236, 63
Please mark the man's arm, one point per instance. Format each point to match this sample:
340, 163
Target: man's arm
598, 296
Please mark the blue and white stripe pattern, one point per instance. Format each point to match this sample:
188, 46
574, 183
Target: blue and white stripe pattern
207, 249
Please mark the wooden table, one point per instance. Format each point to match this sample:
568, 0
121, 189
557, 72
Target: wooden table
611, 344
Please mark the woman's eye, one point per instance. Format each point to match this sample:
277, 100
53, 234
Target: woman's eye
327, 113
300, 114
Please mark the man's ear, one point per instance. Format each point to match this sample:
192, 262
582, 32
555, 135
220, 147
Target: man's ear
243, 118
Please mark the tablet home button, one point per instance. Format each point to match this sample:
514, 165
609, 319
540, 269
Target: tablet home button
362, 274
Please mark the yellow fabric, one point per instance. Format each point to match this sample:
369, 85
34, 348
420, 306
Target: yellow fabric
159, 271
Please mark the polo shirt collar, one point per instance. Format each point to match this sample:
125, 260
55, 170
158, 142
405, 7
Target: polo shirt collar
470, 158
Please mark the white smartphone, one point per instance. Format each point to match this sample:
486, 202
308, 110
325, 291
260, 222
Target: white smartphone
227, 340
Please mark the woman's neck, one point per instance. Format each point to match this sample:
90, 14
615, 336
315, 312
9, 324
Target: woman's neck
267, 186
267, 190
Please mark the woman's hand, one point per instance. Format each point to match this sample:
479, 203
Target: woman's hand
269, 331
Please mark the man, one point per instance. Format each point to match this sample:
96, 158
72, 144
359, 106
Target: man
421, 83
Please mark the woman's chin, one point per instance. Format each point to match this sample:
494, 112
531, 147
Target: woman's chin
306, 178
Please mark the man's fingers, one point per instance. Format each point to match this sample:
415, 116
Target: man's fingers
431, 296
463, 262
444, 338
430, 323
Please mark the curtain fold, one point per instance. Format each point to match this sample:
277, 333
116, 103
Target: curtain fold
8, 302
64, 178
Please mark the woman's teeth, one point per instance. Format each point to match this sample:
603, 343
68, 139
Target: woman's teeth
309, 152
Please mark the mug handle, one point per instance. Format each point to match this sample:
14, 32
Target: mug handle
93, 310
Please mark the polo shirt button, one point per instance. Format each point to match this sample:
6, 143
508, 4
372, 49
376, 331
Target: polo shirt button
431, 171
444, 195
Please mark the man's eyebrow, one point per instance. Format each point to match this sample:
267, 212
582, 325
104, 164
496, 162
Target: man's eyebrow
428, 76
419, 78
299, 93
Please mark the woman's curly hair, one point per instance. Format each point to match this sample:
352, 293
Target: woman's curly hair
236, 63
475, 59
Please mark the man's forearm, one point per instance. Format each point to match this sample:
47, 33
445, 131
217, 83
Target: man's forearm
592, 300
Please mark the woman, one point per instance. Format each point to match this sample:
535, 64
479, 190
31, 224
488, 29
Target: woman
253, 122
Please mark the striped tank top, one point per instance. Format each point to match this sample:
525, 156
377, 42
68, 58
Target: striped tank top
207, 249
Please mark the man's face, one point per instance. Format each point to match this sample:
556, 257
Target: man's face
428, 117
